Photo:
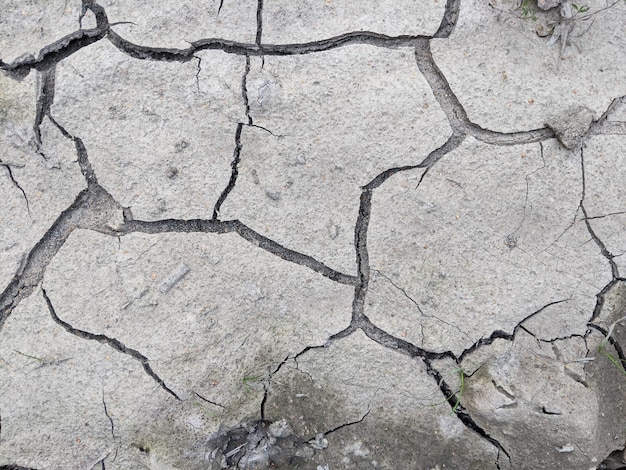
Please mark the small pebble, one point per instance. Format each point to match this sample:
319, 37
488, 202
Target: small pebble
180, 146
171, 172
273, 194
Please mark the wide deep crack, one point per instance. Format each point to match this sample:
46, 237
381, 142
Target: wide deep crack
32, 271
362, 257
454, 111
87, 201
45, 98
449, 19
90, 206
259, 24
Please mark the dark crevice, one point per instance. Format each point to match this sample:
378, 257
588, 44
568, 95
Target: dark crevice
198, 72
208, 401
45, 98
296, 356
155, 53
502, 390
449, 20
362, 257
454, 111
389, 341
306, 350
452, 143
15, 467
219, 9
69, 44
555, 339
265, 129
239, 48
499, 334
266, 391
342, 334
106, 412
360, 237
266, 384
238, 146
612, 341
603, 125
11, 176
600, 299
115, 438
53, 53
458, 409
385, 175
610, 214
244, 91
603, 249
512, 138
576, 377
81, 153
230, 226
259, 23
616, 460
31, 273
111, 342
548, 412
102, 22
233, 176
91, 201
611, 128
449, 103
345, 425
360, 320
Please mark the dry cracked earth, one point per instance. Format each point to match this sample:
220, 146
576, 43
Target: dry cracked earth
311, 234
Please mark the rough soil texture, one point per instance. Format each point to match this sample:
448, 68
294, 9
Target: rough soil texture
312, 234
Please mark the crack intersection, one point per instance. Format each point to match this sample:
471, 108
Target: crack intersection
87, 201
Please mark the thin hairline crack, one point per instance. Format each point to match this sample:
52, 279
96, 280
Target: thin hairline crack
39, 257
11, 176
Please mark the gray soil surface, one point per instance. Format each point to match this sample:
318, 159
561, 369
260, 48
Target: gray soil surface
321, 234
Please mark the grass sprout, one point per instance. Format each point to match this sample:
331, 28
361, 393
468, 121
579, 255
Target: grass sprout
458, 394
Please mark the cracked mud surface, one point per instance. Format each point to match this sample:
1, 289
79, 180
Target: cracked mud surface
310, 235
